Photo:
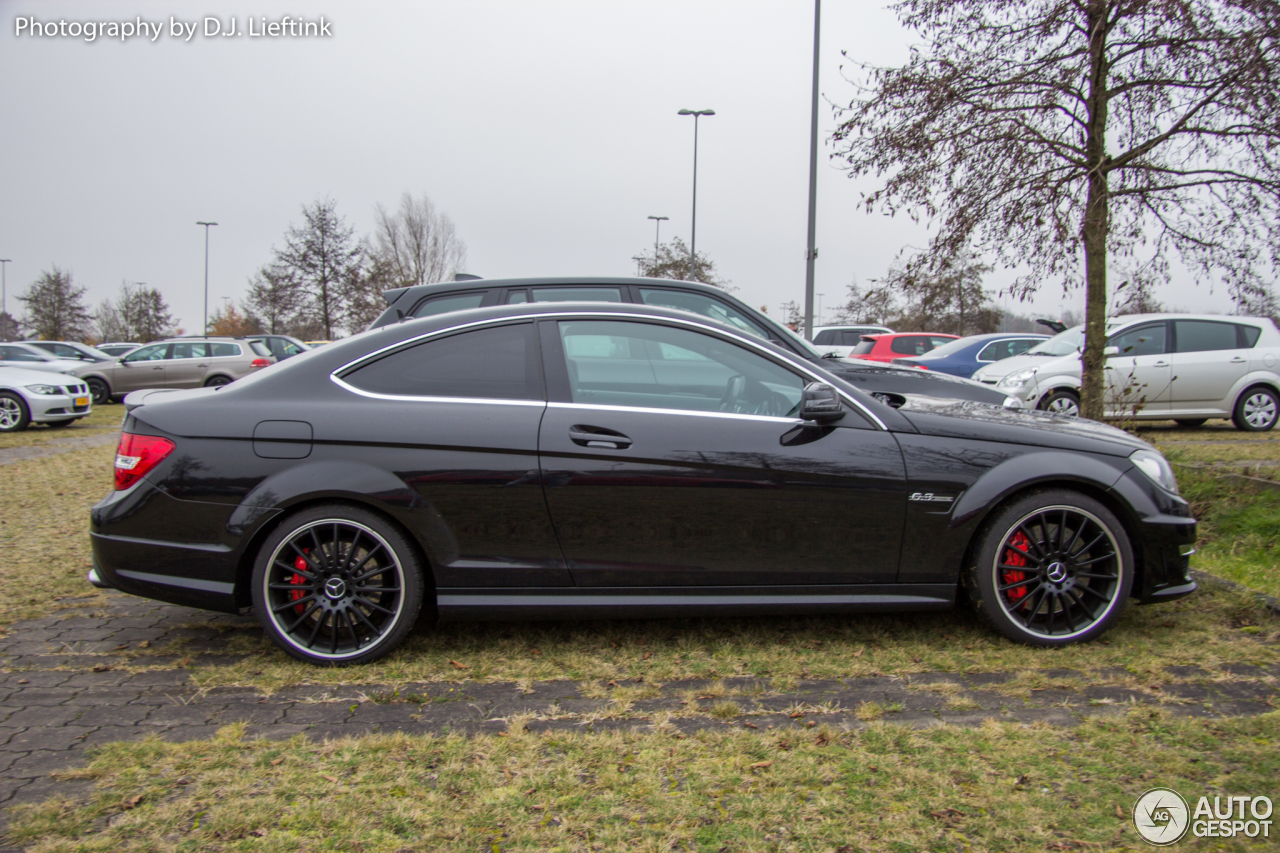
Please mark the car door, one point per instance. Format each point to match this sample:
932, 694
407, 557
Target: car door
670, 458
1209, 357
142, 368
456, 418
187, 365
1138, 372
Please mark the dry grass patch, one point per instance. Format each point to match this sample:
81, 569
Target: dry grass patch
103, 420
44, 531
883, 788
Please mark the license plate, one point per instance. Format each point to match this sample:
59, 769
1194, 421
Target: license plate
82, 401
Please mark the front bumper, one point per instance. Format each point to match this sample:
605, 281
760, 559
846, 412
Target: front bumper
57, 407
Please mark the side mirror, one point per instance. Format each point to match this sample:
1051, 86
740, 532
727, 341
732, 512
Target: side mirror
1110, 351
820, 403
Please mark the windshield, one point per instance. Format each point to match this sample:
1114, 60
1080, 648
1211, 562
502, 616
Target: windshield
1063, 344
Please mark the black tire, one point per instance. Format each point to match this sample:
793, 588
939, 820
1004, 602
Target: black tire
14, 415
1256, 409
1051, 568
100, 390
217, 381
1062, 402
1190, 423
306, 592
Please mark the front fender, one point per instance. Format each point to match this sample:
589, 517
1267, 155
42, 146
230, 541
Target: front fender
1038, 468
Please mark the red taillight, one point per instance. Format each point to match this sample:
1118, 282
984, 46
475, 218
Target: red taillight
260, 362
922, 367
138, 454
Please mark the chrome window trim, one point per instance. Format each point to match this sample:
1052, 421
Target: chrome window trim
653, 410
409, 398
749, 343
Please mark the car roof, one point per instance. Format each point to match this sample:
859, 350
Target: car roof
487, 283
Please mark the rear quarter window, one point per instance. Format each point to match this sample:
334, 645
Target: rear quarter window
224, 350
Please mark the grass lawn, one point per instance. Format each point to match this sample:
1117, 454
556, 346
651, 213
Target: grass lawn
884, 788
102, 420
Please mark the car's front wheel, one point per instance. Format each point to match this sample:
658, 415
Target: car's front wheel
1062, 403
337, 585
14, 416
1256, 410
1051, 568
101, 392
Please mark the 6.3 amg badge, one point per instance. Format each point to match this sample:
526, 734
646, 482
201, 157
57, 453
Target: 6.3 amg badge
930, 497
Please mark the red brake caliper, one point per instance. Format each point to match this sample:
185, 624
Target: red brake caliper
301, 565
1015, 555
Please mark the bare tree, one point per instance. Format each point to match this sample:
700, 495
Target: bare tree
1051, 133
229, 320
55, 307
929, 291
322, 256
138, 313
671, 260
416, 244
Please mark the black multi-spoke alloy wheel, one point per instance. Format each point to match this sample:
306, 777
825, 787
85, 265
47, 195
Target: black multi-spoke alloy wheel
337, 585
100, 390
1051, 568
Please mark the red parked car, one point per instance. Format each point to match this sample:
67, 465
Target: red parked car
903, 344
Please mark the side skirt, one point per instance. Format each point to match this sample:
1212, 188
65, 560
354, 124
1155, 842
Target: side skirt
456, 605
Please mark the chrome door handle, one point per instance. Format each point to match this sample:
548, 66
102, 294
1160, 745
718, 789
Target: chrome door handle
1239, 360
589, 436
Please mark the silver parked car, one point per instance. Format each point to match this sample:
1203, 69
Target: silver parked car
1185, 367
115, 349
175, 363
41, 397
71, 350
30, 357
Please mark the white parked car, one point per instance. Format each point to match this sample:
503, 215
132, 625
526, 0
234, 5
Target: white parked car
1185, 367
29, 357
38, 396
840, 340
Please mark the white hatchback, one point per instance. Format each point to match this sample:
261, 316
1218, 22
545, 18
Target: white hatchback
1185, 367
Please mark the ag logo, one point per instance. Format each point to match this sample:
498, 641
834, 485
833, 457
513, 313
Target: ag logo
1161, 816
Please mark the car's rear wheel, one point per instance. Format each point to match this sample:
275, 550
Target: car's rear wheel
14, 416
1062, 403
1256, 410
1052, 568
1190, 423
337, 585
100, 391
217, 381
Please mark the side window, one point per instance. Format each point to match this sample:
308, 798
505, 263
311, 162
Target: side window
220, 350
1247, 336
577, 294
290, 348
192, 350
517, 297
825, 338
645, 365
1144, 340
1021, 346
19, 354
449, 303
498, 362
850, 338
1203, 336
707, 306
994, 351
256, 347
151, 353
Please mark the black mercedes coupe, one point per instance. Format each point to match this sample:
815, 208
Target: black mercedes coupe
575, 460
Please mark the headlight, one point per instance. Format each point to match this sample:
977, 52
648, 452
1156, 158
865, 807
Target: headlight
1156, 467
1018, 378
1012, 403
44, 389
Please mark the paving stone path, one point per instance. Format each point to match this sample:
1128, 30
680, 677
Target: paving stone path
54, 446
53, 705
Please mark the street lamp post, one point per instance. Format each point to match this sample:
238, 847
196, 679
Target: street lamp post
657, 226
693, 230
811, 249
204, 330
4, 298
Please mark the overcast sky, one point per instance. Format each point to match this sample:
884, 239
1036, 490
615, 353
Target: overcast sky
546, 130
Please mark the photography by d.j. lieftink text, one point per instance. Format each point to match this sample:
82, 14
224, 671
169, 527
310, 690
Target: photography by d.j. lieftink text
28, 26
